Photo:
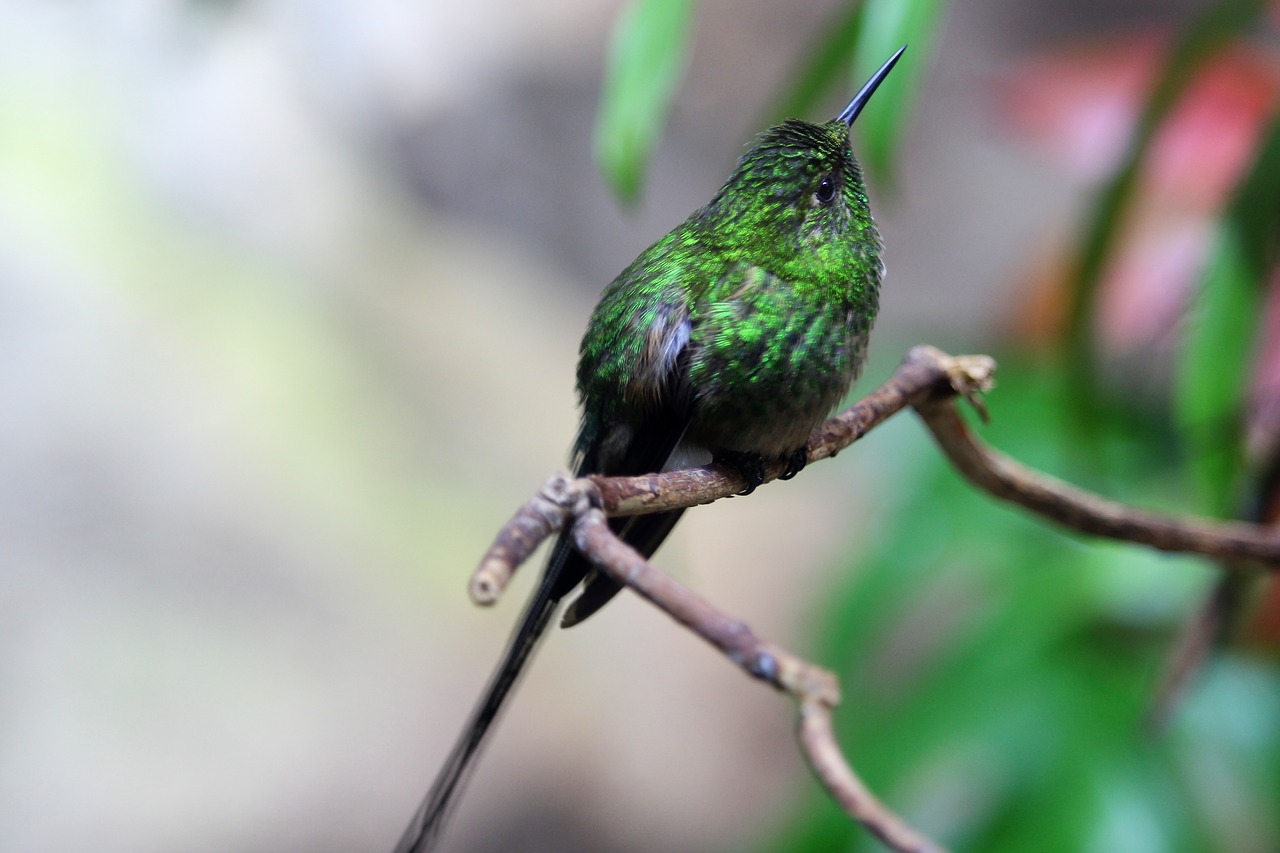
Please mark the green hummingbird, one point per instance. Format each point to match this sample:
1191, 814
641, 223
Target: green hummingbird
729, 339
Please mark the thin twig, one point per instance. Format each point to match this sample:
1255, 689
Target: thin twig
815, 690
929, 381
926, 373
822, 751
1069, 506
559, 498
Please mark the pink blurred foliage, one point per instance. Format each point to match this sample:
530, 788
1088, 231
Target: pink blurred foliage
1264, 393
1081, 104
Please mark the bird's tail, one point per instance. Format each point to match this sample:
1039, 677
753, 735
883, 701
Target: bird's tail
429, 821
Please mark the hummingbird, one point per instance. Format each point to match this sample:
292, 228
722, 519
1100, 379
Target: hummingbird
727, 340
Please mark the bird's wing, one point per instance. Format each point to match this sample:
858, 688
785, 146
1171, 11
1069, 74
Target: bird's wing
633, 378
635, 429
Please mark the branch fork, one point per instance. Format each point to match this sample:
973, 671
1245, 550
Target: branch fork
928, 380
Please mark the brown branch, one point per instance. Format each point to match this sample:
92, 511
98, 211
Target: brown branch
927, 380
925, 374
559, 498
1069, 506
814, 689
828, 763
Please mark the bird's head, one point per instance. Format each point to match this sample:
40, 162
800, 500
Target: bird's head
796, 204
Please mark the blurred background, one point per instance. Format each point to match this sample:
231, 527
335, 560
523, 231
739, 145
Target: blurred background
290, 298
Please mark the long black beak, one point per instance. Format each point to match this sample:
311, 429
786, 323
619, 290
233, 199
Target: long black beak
850, 113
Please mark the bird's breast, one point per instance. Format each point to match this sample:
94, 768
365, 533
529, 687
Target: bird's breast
764, 379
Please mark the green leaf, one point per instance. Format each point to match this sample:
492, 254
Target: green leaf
1199, 41
887, 25
1255, 209
647, 59
1213, 370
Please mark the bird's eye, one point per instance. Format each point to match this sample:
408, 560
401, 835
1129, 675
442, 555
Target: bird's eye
826, 190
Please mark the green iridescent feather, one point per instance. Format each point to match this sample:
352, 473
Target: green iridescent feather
735, 334
751, 317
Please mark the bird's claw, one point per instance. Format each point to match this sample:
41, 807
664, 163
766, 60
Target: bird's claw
795, 463
749, 465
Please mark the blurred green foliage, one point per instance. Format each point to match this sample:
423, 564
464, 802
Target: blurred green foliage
997, 672
1198, 42
886, 27
649, 54
1222, 337
646, 63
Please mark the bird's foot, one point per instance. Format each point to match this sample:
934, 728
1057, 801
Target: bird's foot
795, 463
749, 465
